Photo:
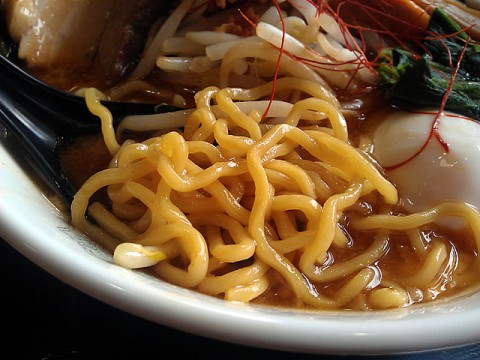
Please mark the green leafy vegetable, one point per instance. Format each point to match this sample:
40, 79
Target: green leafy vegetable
442, 24
414, 81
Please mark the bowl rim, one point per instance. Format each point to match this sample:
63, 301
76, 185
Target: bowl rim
68, 255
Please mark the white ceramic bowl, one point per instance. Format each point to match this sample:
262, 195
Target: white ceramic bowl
30, 223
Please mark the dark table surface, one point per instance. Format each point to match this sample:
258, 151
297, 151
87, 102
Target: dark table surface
43, 318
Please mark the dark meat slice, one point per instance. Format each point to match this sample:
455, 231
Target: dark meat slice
127, 31
77, 39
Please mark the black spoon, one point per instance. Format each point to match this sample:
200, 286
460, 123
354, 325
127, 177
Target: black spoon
43, 118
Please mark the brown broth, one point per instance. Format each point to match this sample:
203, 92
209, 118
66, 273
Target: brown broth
84, 157
88, 155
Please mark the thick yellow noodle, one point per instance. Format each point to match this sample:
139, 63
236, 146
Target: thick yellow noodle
236, 202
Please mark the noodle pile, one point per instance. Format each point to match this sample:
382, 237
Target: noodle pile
250, 208
258, 198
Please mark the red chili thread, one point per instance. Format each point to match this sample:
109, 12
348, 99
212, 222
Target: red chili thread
277, 65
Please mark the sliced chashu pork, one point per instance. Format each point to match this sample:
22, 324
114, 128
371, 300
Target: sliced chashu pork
99, 39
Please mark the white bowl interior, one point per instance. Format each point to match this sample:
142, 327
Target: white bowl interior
38, 230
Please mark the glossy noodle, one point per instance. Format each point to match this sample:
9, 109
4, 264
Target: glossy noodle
290, 177
237, 204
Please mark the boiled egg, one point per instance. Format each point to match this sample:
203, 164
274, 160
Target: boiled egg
430, 159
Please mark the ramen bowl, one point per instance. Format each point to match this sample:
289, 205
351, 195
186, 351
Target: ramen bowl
37, 229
